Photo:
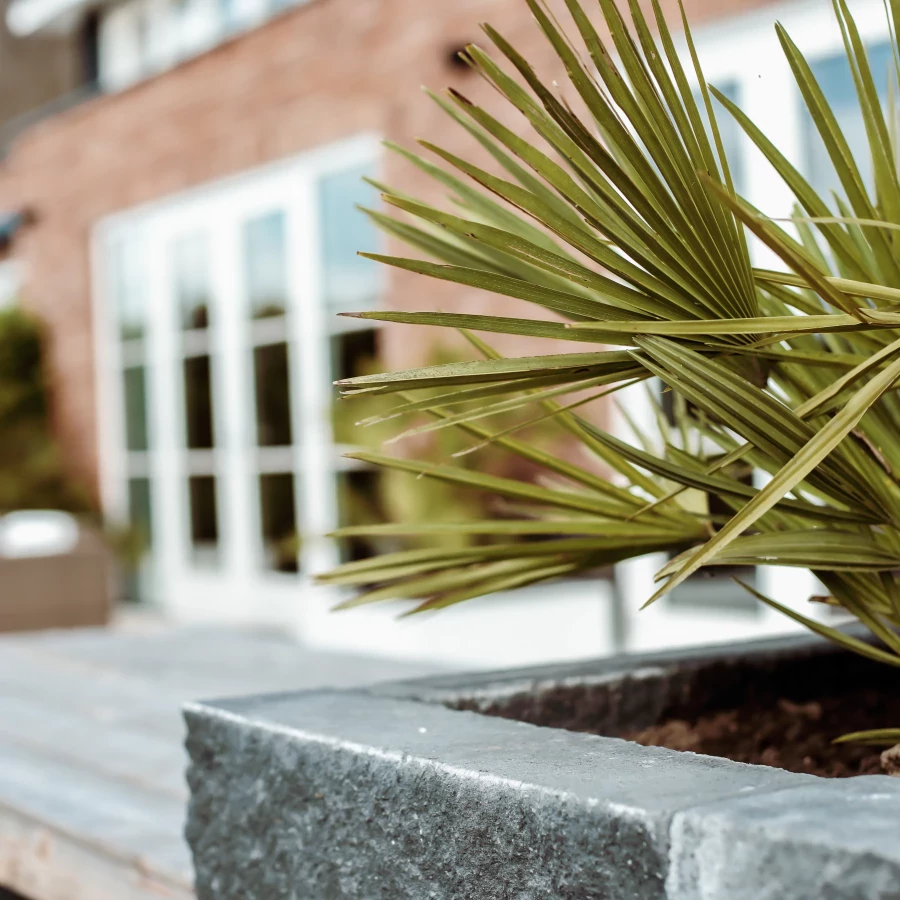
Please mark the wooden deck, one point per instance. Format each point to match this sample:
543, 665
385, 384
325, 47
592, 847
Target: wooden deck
92, 791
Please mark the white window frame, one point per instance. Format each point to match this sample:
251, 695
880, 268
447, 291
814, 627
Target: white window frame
174, 30
745, 49
230, 590
553, 621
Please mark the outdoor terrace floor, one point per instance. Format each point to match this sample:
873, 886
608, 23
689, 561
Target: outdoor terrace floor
92, 789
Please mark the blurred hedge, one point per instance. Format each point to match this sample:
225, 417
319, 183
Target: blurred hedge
32, 475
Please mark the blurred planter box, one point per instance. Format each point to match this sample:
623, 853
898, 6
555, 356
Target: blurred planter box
410, 791
57, 590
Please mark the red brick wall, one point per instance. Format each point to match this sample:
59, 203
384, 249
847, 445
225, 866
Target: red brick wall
327, 70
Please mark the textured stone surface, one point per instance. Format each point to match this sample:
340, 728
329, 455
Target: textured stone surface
347, 795
388, 794
829, 839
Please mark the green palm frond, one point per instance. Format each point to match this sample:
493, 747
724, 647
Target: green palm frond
614, 212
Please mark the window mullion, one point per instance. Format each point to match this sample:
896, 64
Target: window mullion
165, 402
317, 513
239, 511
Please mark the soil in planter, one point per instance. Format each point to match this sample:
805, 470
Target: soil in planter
786, 734
781, 711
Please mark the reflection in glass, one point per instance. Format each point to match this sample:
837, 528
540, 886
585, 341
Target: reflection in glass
264, 265
350, 282
273, 395
278, 520
833, 75
198, 403
204, 516
354, 353
360, 502
729, 130
135, 408
716, 591
139, 512
229, 16
192, 289
127, 287
713, 588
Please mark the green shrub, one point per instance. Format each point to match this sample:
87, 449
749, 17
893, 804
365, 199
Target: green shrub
31, 471
618, 214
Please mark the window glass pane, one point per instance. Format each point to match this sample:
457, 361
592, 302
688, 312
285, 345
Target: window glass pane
160, 35
118, 50
192, 287
279, 522
10, 282
350, 282
135, 408
127, 288
713, 587
729, 130
142, 26
353, 353
716, 591
139, 512
360, 502
229, 19
833, 75
196, 25
273, 395
264, 265
198, 403
204, 517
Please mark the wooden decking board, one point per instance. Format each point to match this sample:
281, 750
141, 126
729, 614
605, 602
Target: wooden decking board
92, 792
108, 749
118, 820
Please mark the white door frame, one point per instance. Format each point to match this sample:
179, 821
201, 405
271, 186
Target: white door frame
235, 590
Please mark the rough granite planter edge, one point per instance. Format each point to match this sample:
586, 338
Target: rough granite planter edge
388, 793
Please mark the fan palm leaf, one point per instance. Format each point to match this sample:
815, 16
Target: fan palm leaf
614, 212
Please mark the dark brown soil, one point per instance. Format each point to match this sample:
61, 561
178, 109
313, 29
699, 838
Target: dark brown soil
772, 709
789, 735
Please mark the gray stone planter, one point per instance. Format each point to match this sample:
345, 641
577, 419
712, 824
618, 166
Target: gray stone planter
409, 791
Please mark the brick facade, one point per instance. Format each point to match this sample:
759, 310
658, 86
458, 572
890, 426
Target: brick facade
320, 72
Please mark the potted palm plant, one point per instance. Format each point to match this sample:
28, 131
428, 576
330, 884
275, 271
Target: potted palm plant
618, 215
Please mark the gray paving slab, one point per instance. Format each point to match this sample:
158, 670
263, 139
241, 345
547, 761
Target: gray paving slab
92, 786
